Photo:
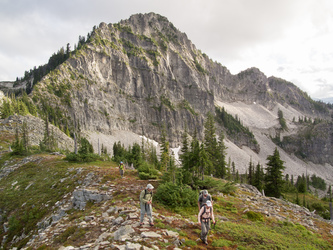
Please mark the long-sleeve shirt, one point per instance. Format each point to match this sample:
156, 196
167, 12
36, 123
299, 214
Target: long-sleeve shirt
209, 213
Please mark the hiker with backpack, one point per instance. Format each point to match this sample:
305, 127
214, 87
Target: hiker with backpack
206, 214
146, 199
203, 197
121, 169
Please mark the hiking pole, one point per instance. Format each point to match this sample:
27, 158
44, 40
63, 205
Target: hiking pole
214, 225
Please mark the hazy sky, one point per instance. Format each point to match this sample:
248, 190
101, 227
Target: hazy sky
290, 39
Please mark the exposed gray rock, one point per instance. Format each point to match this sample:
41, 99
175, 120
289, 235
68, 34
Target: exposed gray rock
132, 246
123, 232
150, 235
82, 196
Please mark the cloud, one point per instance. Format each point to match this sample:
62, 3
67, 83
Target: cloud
287, 39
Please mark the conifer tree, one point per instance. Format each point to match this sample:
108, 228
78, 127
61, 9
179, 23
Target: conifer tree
237, 176
17, 146
274, 177
194, 158
301, 184
204, 162
185, 159
259, 175
233, 166
282, 121
251, 173
165, 155
25, 137
5, 108
210, 143
221, 169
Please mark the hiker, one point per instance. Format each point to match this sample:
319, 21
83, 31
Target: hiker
203, 197
206, 214
121, 169
146, 199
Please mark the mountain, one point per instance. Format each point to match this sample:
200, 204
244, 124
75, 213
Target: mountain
130, 78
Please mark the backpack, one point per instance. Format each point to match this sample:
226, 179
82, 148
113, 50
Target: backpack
146, 192
205, 212
209, 197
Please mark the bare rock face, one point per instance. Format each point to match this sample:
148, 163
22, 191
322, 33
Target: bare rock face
36, 128
143, 74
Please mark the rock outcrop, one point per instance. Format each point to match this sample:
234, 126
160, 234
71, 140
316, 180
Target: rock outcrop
143, 73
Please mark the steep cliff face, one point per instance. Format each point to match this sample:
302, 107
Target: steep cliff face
136, 75
143, 73
312, 142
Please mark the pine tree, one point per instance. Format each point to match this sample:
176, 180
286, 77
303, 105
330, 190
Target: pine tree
301, 184
251, 173
194, 158
165, 154
282, 121
6, 108
185, 159
221, 169
274, 177
17, 145
210, 143
259, 175
237, 176
25, 137
233, 166
204, 162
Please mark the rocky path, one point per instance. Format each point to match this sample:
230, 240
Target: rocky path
103, 213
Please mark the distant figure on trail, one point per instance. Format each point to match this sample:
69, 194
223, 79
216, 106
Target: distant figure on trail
121, 169
203, 197
206, 214
146, 199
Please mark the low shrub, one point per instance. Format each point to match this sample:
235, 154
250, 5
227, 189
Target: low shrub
221, 243
147, 171
254, 216
172, 195
72, 157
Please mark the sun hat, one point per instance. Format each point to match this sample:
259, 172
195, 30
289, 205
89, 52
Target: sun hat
208, 203
149, 186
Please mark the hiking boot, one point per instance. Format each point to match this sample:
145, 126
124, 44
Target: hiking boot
206, 242
151, 224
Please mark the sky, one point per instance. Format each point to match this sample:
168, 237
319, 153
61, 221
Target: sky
289, 39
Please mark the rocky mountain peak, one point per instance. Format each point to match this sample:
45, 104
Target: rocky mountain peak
142, 73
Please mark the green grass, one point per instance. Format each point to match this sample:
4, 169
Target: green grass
28, 193
260, 235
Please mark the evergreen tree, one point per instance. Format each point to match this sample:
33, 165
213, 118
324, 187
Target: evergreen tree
135, 156
282, 121
210, 143
185, 159
251, 173
165, 154
85, 147
258, 180
194, 160
274, 177
221, 169
204, 162
25, 137
301, 184
237, 176
17, 145
6, 109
